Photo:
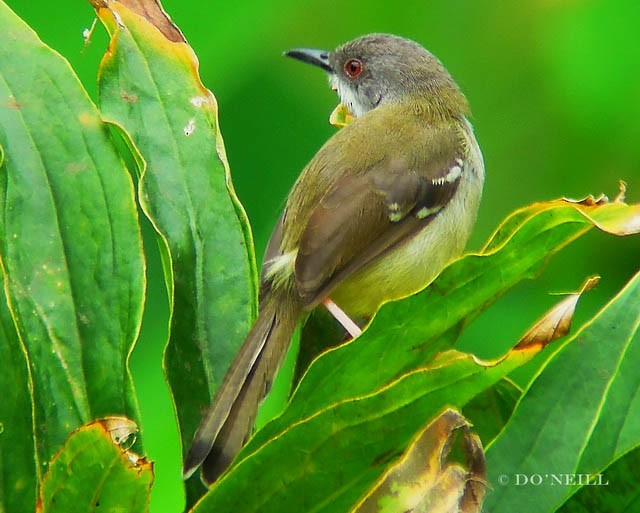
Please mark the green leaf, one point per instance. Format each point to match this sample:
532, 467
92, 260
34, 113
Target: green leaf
490, 410
149, 85
423, 324
326, 462
17, 448
366, 433
619, 492
579, 414
69, 240
93, 473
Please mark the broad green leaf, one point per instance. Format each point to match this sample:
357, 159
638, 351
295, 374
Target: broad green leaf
69, 240
428, 479
580, 414
93, 473
425, 490
406, 334
149, 85
618, 492
17, 447
325, 463
490, 410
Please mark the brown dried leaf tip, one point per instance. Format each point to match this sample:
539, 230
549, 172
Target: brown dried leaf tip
622, 192
556, 322
123, 433
589, 201
593, 201
151, 10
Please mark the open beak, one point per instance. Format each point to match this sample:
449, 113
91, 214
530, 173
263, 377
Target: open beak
318, 58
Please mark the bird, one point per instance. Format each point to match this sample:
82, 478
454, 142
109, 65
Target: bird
385, 204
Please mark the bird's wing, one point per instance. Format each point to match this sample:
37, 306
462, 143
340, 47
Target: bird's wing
364, 216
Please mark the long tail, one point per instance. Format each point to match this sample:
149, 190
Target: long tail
228, 423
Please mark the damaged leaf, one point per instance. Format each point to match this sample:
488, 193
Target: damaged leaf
93, 473
121, 429
427, 479
617, 218
150, 10
557, 322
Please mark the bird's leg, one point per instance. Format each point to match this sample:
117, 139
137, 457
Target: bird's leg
352, 328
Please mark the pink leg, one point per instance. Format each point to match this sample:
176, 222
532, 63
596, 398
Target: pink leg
352, 328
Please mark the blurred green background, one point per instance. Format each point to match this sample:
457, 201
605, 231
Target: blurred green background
554, 87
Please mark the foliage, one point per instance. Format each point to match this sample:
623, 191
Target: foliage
93, 471
362, 414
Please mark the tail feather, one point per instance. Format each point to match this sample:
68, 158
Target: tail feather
229, 421
237, 427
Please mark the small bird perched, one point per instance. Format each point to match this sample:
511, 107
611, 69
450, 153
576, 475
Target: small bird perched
384, 205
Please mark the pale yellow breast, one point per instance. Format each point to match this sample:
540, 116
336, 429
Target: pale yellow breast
417, 261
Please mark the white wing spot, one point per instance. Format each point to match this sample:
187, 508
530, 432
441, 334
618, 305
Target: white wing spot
394, 207
452, 175
190, 128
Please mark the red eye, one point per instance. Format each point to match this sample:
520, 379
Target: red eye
353, 67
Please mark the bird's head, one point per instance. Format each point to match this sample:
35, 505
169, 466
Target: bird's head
379, 69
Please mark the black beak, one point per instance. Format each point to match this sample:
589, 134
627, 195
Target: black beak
318, 58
